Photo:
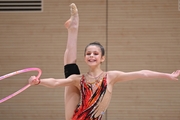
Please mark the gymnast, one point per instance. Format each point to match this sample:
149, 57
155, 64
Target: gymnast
95, 86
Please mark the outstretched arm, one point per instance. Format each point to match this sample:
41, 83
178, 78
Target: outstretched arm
144, 74
51, 82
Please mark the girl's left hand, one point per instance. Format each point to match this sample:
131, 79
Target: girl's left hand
175, 75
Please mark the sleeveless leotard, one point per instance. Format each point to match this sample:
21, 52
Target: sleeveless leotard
89, 107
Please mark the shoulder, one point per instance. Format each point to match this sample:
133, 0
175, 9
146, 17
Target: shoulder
114, 75
75, 77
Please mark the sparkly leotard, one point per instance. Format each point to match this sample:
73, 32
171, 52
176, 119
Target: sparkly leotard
91, 107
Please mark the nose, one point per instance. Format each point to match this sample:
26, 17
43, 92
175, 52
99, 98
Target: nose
91, 55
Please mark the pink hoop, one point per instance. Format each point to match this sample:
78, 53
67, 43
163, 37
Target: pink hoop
15, 73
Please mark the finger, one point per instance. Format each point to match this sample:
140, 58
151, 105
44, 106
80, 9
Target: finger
173, 72
34, 80
178, 72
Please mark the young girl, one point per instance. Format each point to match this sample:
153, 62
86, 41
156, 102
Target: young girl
96, 85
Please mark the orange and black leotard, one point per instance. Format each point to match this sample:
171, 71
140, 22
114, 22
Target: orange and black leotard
91, 98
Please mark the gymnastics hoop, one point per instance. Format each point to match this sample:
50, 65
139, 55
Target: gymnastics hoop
23, 88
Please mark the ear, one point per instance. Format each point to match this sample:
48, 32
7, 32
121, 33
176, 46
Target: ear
102, 59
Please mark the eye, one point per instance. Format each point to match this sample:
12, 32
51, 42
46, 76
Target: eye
96, 53
88, 53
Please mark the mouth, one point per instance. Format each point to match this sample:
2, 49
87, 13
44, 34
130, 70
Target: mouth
91, 60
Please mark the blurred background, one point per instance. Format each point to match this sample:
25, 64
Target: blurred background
137, 35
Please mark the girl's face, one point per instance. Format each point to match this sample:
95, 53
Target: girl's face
93, 55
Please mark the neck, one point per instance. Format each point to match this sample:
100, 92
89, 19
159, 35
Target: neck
95, 72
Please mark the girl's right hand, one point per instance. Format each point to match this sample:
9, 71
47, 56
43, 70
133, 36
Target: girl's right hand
33, 80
